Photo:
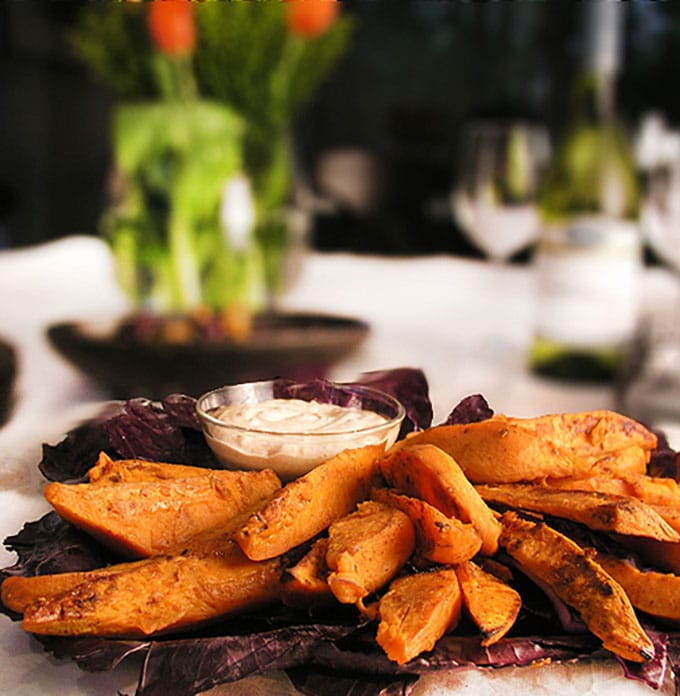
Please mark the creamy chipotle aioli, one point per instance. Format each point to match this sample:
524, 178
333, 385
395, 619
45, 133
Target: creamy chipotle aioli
299, 434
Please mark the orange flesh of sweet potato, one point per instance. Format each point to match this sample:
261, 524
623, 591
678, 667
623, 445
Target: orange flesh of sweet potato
161, 595
580, 582
601, 511
108, 471
305, 584
366, 549
494, 451
147, 518
19, 592
439, 538
416, 612
590, 434
427, 472
306, 506
657, 594
491, 603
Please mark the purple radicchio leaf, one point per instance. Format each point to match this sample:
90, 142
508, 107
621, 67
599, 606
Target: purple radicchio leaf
652, 672
471, 409
51, 545
139, 428
409, 386
195, 665
94, 654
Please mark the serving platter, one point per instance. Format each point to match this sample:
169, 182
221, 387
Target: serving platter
594, 672
296, 345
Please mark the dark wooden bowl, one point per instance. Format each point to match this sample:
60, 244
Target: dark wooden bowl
295, 345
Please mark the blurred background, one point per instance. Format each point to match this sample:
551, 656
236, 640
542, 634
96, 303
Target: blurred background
391, 114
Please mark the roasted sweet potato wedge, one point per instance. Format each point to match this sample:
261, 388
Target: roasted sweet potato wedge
591, 435
491, 603
427, 472
305, 584
107, 471
495, 451
580, 582
506, 450
416, 612
657, 594
163, 594
601, 511
648, 489
306, 506
366, 549
19, 592
147, 518
439, 539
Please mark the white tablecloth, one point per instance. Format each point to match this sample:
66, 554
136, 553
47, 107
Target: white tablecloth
465, 323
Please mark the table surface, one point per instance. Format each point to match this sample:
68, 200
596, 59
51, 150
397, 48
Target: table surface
465, 323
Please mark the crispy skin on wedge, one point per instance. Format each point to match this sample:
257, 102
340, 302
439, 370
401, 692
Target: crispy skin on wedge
146, 518
305, 584
416, 612
306, 506
580, 582
108, 471
427, 472
159, 595
439, 539
366, 549
601, 511
491, 603
657, 594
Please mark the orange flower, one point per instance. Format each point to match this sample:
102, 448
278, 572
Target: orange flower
171, 26
310, 18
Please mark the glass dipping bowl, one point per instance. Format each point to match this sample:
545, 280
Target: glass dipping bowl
294, 452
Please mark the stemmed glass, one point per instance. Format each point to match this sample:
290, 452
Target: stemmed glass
494, 198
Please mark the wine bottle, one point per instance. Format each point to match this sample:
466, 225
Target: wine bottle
588, 258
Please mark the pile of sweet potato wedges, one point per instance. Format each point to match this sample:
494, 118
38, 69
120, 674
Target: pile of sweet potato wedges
413, 537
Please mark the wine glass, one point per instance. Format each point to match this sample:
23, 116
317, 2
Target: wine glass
494, 199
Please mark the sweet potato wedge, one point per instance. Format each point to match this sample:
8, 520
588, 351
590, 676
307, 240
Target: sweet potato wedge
366, 549
600, 511
164, 594
107, 471
147, 518
416, 612
427, 472
506, 450
491, 603
439, 539
305, 584
495, 451
657, 594
306, 506
590, 433
19, 592
648, 489
580, 582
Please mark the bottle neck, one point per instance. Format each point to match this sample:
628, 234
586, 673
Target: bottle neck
595, 98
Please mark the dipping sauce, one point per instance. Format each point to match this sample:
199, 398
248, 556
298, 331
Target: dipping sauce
292, 435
